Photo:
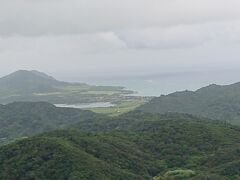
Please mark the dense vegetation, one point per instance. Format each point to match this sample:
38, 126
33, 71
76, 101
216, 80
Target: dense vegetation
21, 119
79, 144
214, 101
133, 146
55, 158
36, 86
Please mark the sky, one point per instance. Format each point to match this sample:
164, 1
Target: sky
119, 37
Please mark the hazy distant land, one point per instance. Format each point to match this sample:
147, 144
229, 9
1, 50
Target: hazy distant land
36, 86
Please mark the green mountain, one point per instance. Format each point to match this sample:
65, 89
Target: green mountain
36, 86
214, 101
58, 156
21, 119
25, 119
28, 82
133, 146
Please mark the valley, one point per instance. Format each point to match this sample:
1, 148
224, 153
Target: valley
105, 133
119, 90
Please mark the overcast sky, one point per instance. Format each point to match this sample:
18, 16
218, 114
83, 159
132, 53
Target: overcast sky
112, 37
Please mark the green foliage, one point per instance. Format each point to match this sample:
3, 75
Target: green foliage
217, 102
179, 174
136, 145
54, 158
23, 119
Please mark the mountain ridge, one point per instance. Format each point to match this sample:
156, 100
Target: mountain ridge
21, 119
213, 101
164, 149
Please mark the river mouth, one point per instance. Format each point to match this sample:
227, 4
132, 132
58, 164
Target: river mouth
87, 105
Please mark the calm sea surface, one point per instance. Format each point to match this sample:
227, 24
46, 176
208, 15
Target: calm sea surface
155, 85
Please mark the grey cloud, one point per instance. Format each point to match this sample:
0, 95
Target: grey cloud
116, 36
32, 17
183, 36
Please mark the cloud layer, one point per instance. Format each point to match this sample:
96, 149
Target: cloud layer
139, 36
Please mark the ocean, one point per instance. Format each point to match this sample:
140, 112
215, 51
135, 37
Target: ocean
166, 83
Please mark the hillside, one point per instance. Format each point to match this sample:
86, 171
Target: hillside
36, 86
22, 119
54, 158
25, 82
164, 147
214, 101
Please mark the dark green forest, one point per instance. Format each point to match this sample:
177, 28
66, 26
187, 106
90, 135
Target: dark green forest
136, 145
213, 101
23, 119
184, 135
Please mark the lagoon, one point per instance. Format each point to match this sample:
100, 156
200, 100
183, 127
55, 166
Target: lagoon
86, 105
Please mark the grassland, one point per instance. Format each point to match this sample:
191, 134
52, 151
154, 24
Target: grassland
120, 108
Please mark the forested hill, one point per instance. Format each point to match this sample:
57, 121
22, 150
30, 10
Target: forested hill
136, 145
171, 146
214, 101
22, 119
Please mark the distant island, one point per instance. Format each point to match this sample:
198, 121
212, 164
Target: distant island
36, 86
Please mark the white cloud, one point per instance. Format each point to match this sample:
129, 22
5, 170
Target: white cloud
118, 35
183, 36
32, 17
